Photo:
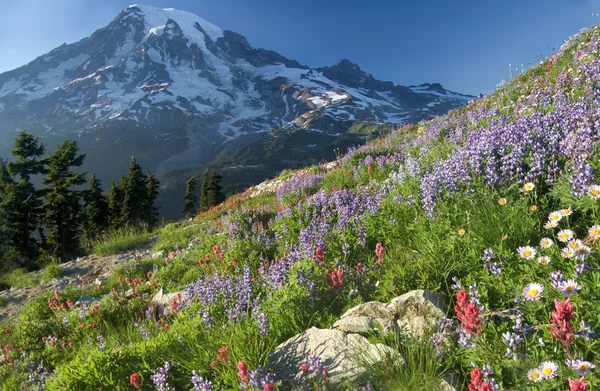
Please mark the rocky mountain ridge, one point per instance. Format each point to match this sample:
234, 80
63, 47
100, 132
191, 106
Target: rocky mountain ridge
176, 91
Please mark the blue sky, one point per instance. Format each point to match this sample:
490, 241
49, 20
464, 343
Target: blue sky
466, 44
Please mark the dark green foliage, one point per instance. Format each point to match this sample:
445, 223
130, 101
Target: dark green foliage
150, 211
20, 204
97, 213
215, 190
115, 203
204, 205
62, 212
135, 194
189, 208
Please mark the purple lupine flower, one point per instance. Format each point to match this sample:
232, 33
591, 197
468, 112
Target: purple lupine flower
199, 383
585, 331
512, 340
160, 377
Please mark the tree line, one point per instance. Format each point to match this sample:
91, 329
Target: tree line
211, 193
58, 219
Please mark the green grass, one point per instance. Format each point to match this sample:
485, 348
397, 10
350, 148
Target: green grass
125, 239
50, 272
19, 278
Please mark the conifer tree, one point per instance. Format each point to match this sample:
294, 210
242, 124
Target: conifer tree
150, 211
5, 179
135, 198
189, 208
204, 205
215, 190
115, 203
20, 206
97, 214
62, 212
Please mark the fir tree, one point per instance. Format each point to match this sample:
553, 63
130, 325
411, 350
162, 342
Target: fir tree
204, 205
135, 198
97, 214
150, 211
189, 208
215, 190
62, 212
115, 203
5, 179
20, 206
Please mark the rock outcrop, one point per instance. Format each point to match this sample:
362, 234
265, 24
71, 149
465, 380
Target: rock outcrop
344, 349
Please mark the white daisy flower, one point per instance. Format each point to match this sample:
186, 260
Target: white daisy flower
566, 212
593, 191
528, 187
548, 369
533, 291
564, 235
534, 375
575, 244
546, 243
594, 231
583, 251
569, 287
526, 252
580, 366
555, 216
551, 224
543, 260
567, 253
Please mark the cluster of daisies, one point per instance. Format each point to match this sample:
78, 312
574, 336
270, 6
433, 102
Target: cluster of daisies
573, 248
548, 369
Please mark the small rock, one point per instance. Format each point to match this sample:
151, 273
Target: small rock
88, 299
449, 383
162, 301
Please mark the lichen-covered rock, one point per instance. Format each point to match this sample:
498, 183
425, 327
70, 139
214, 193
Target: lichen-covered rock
162, 301
417, 311
412, 313
340, 353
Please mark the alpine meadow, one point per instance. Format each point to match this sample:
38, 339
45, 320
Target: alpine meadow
427, 241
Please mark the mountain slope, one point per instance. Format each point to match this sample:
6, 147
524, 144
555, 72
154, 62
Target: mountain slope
175, 90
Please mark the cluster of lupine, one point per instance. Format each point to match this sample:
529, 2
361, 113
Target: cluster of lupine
160, 377
299, 185
236, 295
327, 212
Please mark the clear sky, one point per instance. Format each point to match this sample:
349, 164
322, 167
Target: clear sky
464, 44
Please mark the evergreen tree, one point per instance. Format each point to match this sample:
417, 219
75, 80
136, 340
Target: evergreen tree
62, 212
215, 190
115, 203
151, 212
97, 214
5, 179
135, 198
20, 204
189, 208
204, 205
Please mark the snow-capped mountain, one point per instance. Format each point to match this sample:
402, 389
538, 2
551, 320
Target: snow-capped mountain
175, 90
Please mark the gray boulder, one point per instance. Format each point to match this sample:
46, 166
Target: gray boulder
343, 355
412, 313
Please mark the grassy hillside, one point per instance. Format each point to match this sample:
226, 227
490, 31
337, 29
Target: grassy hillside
281, 149
496, 206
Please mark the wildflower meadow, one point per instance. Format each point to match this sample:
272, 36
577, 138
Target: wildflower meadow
495, 206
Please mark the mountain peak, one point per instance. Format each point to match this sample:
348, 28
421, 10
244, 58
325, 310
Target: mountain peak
347, 65
156, 18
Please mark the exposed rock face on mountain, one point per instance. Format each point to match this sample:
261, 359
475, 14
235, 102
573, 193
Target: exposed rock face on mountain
175, 90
